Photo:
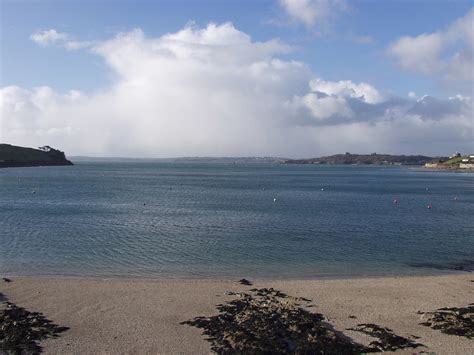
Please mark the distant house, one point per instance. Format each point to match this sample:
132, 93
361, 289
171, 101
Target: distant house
467, 162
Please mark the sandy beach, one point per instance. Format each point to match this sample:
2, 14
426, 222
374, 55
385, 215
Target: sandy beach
144, 316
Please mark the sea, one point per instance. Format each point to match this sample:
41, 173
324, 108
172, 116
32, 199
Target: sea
226, 220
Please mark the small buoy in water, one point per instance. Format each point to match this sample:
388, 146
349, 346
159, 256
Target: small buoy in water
274, 199
34, 191
395, 201
427, 189
322, 188
144, 204
455, 198
428, 207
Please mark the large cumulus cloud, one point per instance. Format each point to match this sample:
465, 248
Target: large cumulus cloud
214, 91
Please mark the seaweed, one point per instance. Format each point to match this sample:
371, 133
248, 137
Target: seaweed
387, 340
21, 330
454, 320
267, 321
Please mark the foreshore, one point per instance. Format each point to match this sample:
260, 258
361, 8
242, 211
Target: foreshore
145, 316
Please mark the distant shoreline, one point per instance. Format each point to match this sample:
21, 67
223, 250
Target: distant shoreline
423, 273
445, 170
366, 159
30, 165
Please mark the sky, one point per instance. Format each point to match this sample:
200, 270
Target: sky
288, 78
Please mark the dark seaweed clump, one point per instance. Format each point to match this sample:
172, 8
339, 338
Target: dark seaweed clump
267, 321
245, 282
454, 320
21, 330
387, 340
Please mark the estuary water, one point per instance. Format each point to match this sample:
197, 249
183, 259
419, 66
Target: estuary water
226, 220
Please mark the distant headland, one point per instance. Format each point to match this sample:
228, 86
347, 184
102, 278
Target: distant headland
13, 156
366, 159
454, 162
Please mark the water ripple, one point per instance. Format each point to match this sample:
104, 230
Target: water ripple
221, 220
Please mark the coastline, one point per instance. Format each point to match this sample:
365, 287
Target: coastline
123, 315
413, 272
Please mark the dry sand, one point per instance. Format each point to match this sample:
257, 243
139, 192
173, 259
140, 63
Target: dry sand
143, 316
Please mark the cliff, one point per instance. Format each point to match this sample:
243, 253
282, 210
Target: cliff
14, 156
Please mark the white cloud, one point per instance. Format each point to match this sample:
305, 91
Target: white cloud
343, 102
76, 45
313, 12
445, 54
327, 106
420, 54
214, 92
48, 37
347, 88
52, 37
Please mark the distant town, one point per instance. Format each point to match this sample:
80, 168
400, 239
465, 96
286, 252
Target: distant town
455, 161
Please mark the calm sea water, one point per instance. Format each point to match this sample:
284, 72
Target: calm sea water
155, 219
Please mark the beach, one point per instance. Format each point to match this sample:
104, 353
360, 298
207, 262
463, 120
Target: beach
120, 315
237, 177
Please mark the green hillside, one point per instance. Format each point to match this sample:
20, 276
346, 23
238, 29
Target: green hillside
365, 159
455, 160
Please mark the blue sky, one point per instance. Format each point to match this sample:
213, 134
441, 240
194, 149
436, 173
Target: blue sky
349, 42
328, 55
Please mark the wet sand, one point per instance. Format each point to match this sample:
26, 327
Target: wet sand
144, 316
